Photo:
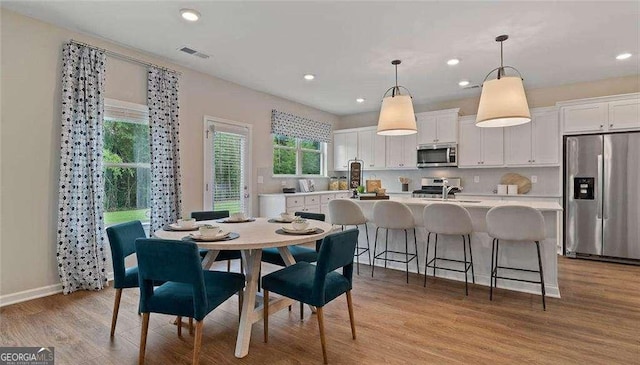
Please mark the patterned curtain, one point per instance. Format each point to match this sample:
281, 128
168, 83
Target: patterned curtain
291, 125
81, 235
162, 99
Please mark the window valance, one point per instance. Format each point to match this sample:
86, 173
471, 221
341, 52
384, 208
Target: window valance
298, 127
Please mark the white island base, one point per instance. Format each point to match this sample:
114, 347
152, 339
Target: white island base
512, 254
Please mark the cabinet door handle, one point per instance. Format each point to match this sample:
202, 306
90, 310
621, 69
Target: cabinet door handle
610, 125
533, 160
370, 165
601, 126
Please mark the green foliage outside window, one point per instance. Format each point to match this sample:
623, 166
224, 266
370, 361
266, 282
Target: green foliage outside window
296, 157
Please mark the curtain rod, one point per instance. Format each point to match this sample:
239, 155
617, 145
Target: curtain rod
124, 57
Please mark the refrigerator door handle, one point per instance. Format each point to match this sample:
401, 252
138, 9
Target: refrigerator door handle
598, 190
606, 193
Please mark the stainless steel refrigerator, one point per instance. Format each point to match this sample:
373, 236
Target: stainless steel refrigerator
602, 196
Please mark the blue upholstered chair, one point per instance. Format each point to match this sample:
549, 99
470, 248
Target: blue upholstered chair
226, 255
122, 238
317, 284
188, 290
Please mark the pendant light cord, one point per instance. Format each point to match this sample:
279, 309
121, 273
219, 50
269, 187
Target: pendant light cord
393, 93
501, 69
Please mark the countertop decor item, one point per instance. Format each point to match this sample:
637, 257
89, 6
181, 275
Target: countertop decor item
373, 185
503, 102
524, 184
397, 117
405, 183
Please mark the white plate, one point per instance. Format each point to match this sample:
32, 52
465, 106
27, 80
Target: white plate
280, 220
198, 237
290, 229
176, 227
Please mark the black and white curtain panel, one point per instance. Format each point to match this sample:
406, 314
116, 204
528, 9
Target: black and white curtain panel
162, 99
291, 125
81, 236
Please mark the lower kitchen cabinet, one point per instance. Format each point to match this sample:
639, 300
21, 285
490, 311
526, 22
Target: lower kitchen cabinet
271, 205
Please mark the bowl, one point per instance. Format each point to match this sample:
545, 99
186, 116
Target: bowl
238, 216
209, 231
187, 223
299, 225
286, 216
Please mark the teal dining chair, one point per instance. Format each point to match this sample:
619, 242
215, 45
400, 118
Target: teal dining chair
225, 255
317, 284
188, 291
122, 239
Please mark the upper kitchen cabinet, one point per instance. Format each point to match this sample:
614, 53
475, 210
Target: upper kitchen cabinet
438, 127
595, 115
401, 151
345, 148
534, 143
371, 148
480, 147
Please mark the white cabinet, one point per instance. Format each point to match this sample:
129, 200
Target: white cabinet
612, 113
271, 205
438, 127
534, 143
480, 147
371, 149
401, 151
345, 148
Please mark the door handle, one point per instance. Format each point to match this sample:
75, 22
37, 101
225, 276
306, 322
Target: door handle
598, 191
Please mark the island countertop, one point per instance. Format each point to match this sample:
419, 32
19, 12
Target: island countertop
542, 206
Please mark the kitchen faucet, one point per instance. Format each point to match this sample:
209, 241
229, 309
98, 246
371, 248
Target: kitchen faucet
446, 189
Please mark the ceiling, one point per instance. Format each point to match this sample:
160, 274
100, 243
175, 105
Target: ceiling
348, 46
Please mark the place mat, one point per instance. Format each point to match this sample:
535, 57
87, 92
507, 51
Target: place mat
228, 220
275, 220
231, 236
169, 228
317, 231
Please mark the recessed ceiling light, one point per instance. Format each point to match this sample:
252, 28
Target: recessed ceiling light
190, 15
309, 77
360, 100
453, 62
623, 56
463, 83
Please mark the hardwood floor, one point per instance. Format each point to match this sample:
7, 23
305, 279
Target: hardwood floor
597, 321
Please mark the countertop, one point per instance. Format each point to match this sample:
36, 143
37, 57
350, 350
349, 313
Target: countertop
309, 193
513, 196
477, 204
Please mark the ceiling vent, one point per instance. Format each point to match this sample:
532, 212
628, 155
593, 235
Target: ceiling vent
471, 87
193, 52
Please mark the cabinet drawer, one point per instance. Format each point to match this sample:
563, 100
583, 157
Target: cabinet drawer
295, 202
312, 200
342, 196
326, 198
311, 208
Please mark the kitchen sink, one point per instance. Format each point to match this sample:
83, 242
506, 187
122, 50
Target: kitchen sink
451, 200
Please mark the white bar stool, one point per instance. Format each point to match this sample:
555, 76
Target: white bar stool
448, 219
515, 223
394, 215
343, 212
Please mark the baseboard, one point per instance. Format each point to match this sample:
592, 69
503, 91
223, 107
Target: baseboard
36, 293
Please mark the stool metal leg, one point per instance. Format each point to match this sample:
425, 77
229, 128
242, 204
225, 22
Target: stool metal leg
493, 256
473, 275
366, 231
426, 260
435, 255
415, 244
386, 246
357, 253
544, 306
406, 253
466, 271
375, 244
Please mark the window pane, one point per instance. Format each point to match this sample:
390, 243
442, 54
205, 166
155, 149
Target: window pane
125, 141
127, 194
311, 163
284, 161
279, 140
310, 145
228, 164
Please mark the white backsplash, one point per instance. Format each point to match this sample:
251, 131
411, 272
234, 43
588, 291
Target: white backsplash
548, 178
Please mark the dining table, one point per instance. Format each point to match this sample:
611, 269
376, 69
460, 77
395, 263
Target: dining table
252, 236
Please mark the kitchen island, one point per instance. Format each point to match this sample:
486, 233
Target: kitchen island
516, 254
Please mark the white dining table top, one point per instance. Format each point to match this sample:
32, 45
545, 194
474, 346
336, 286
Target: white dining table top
253, 235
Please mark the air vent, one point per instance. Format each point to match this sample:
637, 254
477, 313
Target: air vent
471, 87
193, 52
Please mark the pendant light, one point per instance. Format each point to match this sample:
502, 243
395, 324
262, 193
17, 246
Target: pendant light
503, 102
396, 114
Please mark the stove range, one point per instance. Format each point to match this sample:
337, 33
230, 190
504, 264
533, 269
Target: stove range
432, 187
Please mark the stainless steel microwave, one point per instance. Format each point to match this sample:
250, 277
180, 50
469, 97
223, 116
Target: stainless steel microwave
437, 155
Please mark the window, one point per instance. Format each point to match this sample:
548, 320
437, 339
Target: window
126, 157
294, 156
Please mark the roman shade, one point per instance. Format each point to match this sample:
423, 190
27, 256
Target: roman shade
298, 127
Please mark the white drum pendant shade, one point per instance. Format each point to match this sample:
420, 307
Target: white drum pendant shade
503, 103
396, 116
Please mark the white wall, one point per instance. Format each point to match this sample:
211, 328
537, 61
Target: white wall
30, 137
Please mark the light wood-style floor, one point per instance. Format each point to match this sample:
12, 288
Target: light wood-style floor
597, 321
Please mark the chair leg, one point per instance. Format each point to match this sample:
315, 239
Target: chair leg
197, 341
435, 255
241, 267
228, 265
544, 305
143, 337
240, 300
406, 253
265, 298
190, 326
473, 275
466, 272
495, 278
426, 260
301, 311
179, 326
366, 231
415, 244
375, 245
322, 339
357, 253
493, 257
116, 308
351, 319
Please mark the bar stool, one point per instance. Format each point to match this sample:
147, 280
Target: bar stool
515, 223
394, 215
347, 213
448, 219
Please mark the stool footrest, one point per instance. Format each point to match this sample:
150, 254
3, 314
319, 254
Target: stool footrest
411, 256
361, 250
466, 269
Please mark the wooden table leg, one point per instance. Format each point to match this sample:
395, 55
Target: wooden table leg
252, 261
210, 259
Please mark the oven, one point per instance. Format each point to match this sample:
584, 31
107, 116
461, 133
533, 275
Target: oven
437, 155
